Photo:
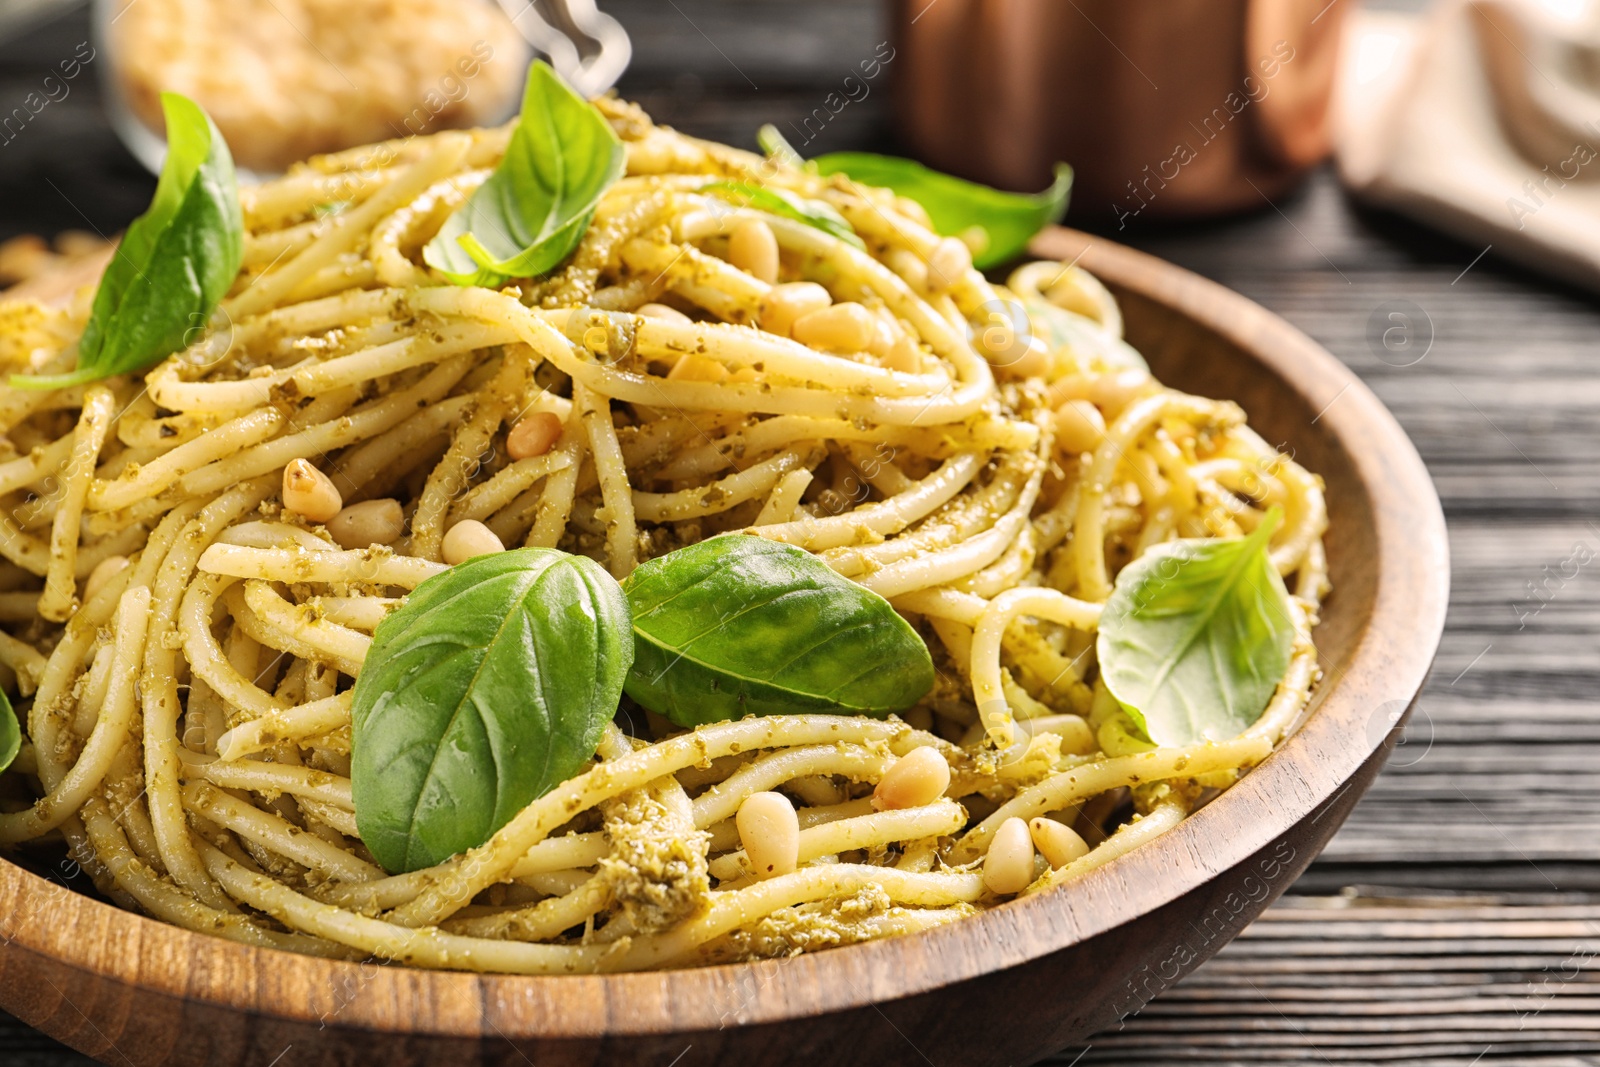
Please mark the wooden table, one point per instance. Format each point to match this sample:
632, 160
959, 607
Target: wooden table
1456, 918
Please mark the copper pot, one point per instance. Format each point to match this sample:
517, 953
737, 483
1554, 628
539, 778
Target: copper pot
1165, 108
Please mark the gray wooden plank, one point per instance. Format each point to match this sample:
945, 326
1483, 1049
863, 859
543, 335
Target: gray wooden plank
1494, 789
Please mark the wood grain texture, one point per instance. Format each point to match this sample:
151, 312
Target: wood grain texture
1490, 802
1119, 936
1412, 979
1492, 792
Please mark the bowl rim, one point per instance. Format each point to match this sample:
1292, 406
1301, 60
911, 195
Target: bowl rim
1389, 661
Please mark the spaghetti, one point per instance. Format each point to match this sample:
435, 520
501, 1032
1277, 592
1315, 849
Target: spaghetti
188, 642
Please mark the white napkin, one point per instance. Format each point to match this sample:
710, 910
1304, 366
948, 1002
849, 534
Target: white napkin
1483, 119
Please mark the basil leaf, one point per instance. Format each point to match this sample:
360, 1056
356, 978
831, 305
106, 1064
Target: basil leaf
174, 264
10, 732
486, 689
1196, 637
533, 210
781, 202
955, 206
739, 625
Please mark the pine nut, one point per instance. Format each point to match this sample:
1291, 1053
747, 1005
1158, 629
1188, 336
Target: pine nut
1003, 334
754, 250
1074, 386
371, 522
693, 368
1058, 843
786, 303
1113, 392
919, 777
1008, 868
469, 538
664, 313
976, 238
103, 572
533, 435
846, 327
884, 198
905, 263
913, 211
695, 225
307, 491
948, 264
1079, 427
1031, 360
904, 356
884, 335
769, 830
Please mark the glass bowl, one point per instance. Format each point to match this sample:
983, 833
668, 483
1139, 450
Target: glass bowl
288, 79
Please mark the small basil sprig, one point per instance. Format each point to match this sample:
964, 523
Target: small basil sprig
1009, 219
1196, 636
486, 689
740, 625
785, 204
955, 206
174, 264
533, 210
10, 732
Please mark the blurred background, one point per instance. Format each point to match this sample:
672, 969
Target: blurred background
1411, 183
1468, 115
995, 92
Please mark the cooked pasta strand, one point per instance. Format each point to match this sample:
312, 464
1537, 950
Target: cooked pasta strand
177, 599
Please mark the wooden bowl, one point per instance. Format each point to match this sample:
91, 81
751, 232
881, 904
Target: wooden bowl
1004, 987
